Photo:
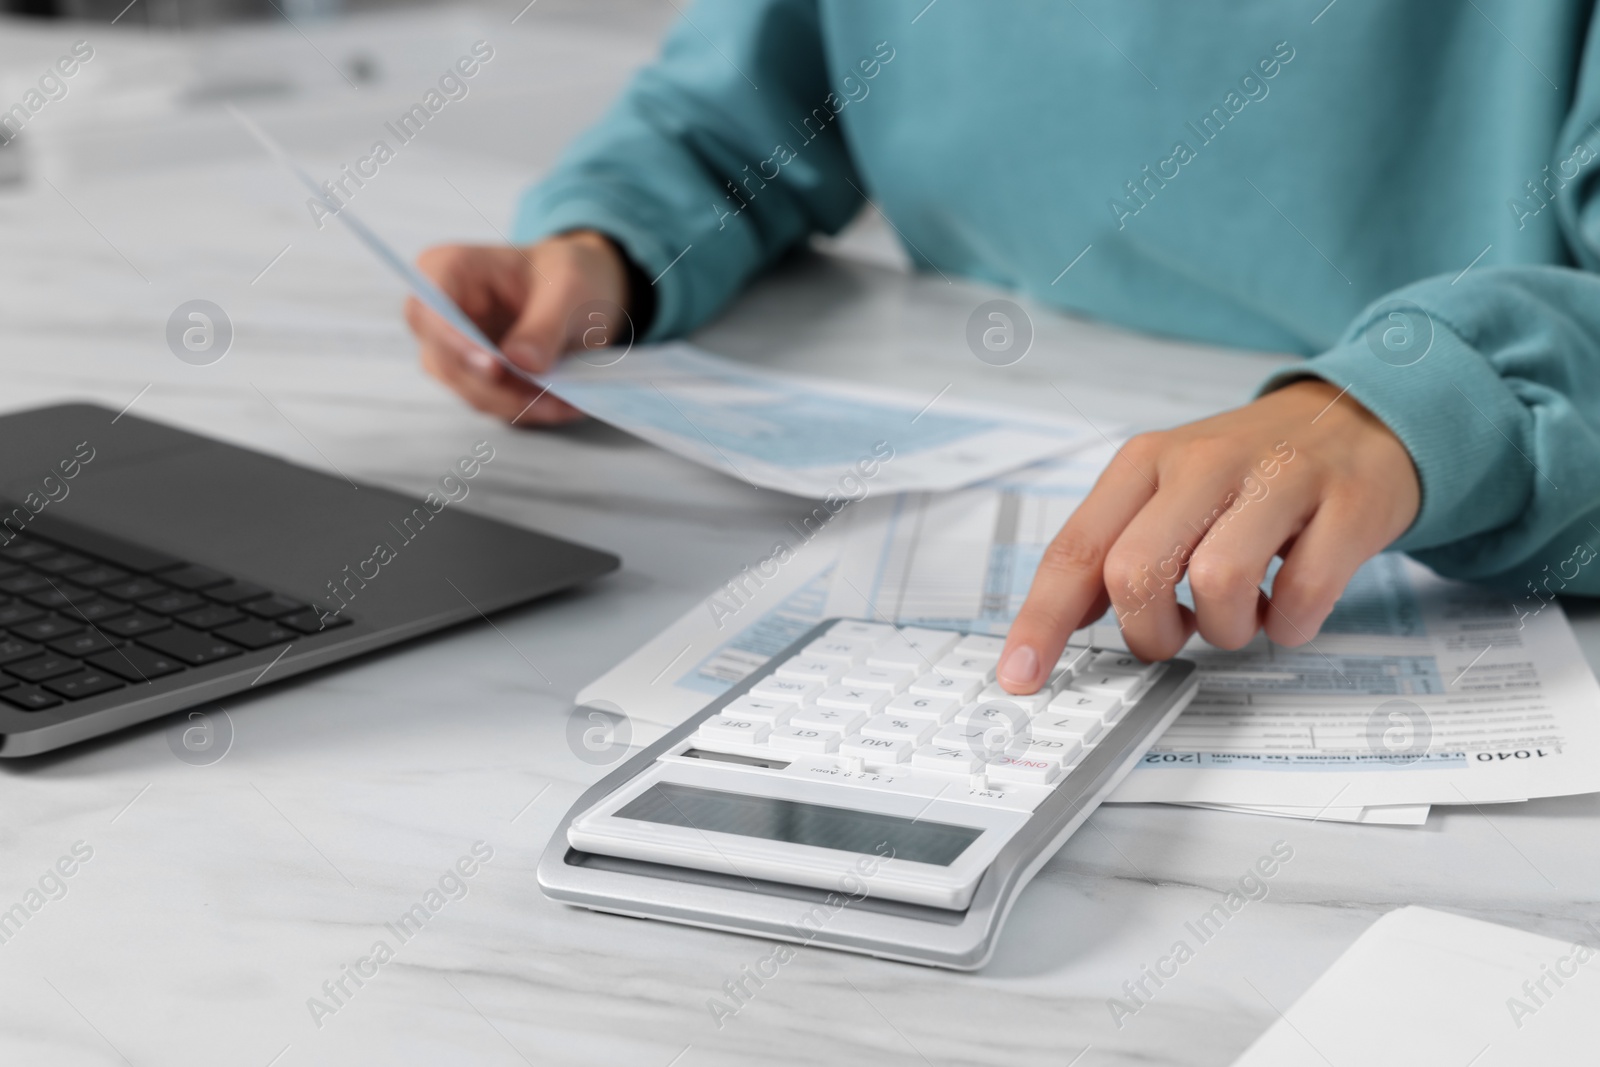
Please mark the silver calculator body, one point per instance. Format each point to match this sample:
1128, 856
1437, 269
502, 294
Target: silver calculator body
868, 789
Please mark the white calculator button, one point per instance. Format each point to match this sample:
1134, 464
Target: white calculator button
980, 645
1075, 657
1029, 702
793, 738
1062, 750
892, 679
983, 741
1022, 769
1063, 727
853, 698
789, 689
938, 709
942, 685
993, 713
914, 649
839, 720
809, 669
728, 728
1115, 663
855, 630
952, 759
771, 712
899, 727
876, 749
1071, 702
1108, 685
961, 665
933, 643
839, 649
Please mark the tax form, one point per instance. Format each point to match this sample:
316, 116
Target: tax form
804, 436
808, 436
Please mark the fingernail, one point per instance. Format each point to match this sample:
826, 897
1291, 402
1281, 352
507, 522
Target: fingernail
525, 354
480, 361
1019, 666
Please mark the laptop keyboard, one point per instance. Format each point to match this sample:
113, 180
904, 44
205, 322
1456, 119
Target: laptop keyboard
76, 624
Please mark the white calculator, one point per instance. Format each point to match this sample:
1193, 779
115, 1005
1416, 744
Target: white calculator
870, 788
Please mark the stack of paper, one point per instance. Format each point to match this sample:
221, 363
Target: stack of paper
1418, 691
1424, 988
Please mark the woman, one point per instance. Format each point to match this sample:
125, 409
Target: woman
1402, 192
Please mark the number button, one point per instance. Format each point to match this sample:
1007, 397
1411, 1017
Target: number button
938, 709
961, 690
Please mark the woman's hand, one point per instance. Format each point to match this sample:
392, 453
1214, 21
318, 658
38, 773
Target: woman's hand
1305, 473
525, 300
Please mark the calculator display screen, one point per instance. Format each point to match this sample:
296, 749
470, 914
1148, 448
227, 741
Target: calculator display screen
797, 823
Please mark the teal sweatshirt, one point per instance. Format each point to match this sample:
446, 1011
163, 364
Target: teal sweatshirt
1404, 191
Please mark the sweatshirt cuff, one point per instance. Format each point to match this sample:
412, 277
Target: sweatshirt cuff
1448, 407
540, 216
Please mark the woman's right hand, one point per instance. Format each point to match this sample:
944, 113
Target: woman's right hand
526, 300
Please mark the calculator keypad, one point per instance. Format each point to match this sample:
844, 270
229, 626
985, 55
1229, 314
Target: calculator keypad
917, 710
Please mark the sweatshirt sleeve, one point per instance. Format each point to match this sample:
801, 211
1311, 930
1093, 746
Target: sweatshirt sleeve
1491, 379
719, 156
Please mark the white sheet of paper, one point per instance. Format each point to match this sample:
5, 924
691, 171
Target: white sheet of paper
809, 436
1424, 988
805, 436
1383, 815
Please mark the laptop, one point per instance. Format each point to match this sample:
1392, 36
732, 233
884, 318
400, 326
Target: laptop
145, 570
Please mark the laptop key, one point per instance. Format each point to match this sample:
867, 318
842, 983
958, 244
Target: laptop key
47, 629
61, 563
84, 684
96, 609
138, 623
16, 612
271, 607
11, 649
42, 667
85, 644
24, 549
29, 698
190, 646
312, 622
99, 575
24, 583
135, 664
172, 603
258, 633
210, 617
194, 577
237, 592
58, 595
136, 589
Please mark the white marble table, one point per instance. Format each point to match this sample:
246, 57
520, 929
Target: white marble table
218, 899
